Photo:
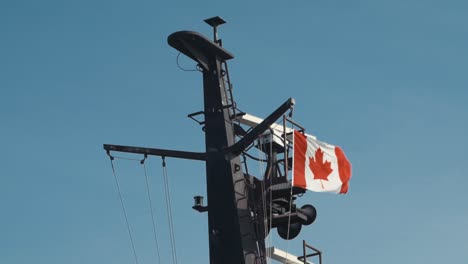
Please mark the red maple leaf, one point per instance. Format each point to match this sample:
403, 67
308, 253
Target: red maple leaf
320, 168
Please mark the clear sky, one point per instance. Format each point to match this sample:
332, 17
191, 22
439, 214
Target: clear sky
385, 80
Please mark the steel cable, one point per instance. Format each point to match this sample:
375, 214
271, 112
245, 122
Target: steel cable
169, 212
290, 193
152, 214
264, 196
124, 211
271, 183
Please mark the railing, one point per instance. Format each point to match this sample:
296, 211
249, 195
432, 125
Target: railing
317, 252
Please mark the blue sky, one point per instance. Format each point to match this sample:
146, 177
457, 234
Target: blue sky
385, 80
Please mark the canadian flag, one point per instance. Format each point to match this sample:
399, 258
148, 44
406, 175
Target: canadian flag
318, 166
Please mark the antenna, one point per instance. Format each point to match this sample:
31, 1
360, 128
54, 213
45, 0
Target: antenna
215, 22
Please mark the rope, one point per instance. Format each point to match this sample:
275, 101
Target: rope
151, 209
289, 219
123, 210
169, 212
271, 183
265, 220
291, 190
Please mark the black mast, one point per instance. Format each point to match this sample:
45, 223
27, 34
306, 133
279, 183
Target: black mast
235, 224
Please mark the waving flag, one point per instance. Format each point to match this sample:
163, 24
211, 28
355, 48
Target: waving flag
318, 166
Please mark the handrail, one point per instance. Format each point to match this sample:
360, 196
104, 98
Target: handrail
305, 256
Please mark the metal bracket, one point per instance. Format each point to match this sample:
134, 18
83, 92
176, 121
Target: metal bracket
108, 154
144, 159
198, 206
192, 116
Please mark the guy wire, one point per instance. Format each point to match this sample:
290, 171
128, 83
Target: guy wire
169, 212
152, 214
124, 212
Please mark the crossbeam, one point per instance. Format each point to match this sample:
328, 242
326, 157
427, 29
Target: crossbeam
248, 139
157, 152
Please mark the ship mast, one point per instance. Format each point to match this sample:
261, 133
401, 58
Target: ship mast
236, 229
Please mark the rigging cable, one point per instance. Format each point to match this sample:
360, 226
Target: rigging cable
289, 220
123, 208
180, 67
169, 211
291, 191
271, 185
254, 158
151, 210
265, 223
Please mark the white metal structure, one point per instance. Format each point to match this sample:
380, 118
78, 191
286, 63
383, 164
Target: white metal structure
278, 130
283, 257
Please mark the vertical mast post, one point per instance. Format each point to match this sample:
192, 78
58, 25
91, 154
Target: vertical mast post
232, 238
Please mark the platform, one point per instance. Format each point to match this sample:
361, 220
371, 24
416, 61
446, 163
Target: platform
282, 257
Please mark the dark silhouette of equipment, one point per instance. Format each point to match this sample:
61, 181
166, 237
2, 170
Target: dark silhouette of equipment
310, 212
238, 220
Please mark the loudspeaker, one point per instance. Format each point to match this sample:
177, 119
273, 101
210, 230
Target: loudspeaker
310, 212
294, 230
